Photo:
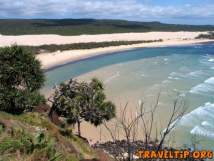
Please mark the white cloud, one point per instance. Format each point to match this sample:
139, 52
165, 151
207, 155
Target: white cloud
117, 9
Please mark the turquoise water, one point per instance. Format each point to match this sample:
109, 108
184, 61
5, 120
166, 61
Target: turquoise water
139, 75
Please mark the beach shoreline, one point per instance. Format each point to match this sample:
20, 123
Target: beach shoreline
57, 59
51, 60
122, 79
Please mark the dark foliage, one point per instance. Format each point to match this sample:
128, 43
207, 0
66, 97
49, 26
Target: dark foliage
210, 35
82, 102
88, 26
20, 79
76, 46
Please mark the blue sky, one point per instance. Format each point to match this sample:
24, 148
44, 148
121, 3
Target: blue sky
168, 11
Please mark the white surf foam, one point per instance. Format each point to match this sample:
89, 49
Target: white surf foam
166, 81
198, 46
204, 88
182, 94
211, 60
195, 73
207, 124
201, 131
143, 75
117, 74
210, 80
207, 60
199, 115
175, 78
191, 75
199, 121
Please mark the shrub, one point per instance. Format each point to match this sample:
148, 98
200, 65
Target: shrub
21, 77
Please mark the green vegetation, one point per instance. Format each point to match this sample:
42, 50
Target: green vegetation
76, 46
32, 137
82, 101
21, 77
87, 26
210, 35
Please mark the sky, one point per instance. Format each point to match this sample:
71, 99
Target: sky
166, 11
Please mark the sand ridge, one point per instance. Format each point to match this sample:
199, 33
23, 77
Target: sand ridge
54, 59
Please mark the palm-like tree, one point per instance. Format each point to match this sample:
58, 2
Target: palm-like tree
81, 101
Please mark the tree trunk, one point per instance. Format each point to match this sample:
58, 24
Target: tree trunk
129, 150
50, 114
146, 142
161, 143
78, 126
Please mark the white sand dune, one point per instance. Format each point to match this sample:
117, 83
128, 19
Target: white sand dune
50, 60
36, 40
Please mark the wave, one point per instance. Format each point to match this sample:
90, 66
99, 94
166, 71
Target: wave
211, 60
198, 46
143, 75
183, 94
196, 73
207, 124
207, 60
201, 131
200, 120
166, 81
210, 80
199, 115
117, 74
175, 78
191, 75
204, 88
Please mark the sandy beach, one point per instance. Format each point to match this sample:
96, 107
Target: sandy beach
36, 40
54, 59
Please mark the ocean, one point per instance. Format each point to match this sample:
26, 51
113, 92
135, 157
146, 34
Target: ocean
140, 75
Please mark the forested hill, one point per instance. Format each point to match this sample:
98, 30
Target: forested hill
88, 26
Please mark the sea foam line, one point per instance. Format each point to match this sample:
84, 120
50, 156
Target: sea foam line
204, 88
200, 120
112, 77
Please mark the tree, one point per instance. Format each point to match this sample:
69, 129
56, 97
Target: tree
81, 101
21, 77
129, 126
